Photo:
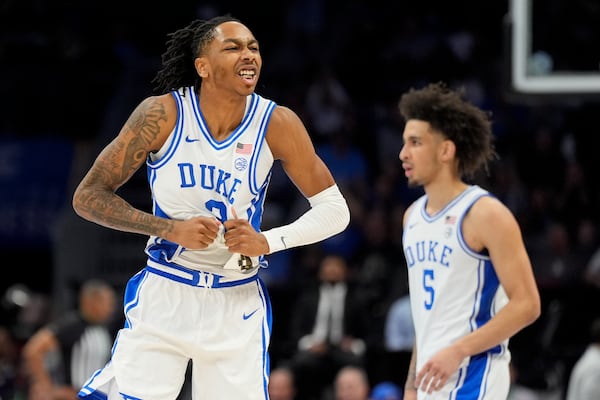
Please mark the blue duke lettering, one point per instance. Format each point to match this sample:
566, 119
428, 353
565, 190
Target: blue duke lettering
429, 251
210, 178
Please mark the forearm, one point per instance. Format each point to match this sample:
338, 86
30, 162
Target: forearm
411, 375
108, 209
510, 320
410, 387
328, 216
36, 372
34, 354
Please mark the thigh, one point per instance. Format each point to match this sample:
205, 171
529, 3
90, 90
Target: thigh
150, 355
233, 361
237, 375
498, 382
145, 368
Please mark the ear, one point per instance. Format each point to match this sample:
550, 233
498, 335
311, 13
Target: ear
448, 150
201, 65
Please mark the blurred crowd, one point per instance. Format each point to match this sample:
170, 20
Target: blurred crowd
72, 71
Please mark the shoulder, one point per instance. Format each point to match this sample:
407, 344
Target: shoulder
284, 117
409, 210
485, 212
286, 134
487, 207
157, 110
154, 118
164, 102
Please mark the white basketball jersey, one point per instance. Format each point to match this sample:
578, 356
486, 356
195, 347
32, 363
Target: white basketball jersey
453, 290
195, 175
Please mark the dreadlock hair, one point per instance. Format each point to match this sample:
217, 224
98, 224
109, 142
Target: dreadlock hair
183, 47
450, 114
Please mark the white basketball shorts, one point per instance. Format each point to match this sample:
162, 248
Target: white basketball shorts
223, 328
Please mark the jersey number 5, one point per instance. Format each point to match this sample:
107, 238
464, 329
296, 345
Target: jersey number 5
428, 278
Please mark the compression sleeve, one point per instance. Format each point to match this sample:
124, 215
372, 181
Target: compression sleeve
328, 215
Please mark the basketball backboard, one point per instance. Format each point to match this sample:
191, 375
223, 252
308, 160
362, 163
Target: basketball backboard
554, 47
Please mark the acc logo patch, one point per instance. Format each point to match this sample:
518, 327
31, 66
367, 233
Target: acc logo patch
241, 163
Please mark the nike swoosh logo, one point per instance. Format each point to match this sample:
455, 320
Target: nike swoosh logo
190, 140
283, 241
246, 316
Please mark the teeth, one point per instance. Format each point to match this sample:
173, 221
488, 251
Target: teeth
247, 73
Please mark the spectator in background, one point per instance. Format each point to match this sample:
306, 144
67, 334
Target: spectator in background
328, 326
390, 360
584, 383
282, 384
399, 331
351, 383
382, 278
399, 338
61, 356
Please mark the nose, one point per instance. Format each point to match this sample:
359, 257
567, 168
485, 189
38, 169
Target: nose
247, 54
402, 153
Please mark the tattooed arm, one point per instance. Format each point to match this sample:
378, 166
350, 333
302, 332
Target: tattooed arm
95, 199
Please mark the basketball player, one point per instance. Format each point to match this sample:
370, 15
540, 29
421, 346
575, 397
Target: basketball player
208, 142
471, 281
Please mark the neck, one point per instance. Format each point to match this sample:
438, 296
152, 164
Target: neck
222, 114
441, 193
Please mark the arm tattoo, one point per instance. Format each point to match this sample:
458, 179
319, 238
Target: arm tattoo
144, 122
117, 163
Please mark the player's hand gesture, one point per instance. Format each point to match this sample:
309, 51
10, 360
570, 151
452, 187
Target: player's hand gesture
436, 371
242, 238
195, 233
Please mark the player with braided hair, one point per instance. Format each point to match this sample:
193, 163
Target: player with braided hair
208, 142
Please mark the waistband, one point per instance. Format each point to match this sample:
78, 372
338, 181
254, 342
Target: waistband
194, 277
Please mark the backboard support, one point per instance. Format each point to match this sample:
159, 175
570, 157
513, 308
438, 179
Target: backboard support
531, 71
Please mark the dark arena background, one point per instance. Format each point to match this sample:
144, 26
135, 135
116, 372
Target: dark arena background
72, 71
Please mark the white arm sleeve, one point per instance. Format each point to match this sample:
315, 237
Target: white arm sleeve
328, 216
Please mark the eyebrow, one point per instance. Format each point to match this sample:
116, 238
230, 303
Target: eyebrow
238, 41
412, 135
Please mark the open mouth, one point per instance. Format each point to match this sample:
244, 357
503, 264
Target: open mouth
248, 74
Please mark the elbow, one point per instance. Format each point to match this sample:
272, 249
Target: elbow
537, 311
338, 219
341, 204
342, 217
533, 310
83, 198
76, 202
335, 214
345, 220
